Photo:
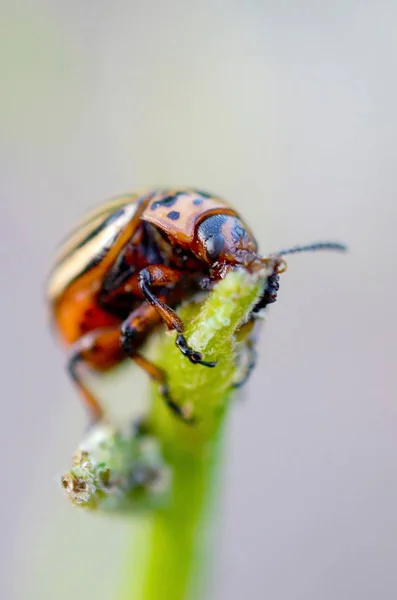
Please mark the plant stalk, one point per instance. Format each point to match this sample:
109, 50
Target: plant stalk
177, 539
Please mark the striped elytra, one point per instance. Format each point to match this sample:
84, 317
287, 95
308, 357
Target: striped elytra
89, 243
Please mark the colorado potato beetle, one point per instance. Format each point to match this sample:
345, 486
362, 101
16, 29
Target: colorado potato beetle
102, 288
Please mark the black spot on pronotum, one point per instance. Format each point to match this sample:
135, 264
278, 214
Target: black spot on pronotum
198, 201
167, 201
174, 215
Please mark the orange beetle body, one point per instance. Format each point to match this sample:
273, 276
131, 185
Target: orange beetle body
173, 242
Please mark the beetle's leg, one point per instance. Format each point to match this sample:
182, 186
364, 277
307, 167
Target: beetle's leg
160, 276
133, 332
99, 349
102, 348
157, 374
247, 337
252, 356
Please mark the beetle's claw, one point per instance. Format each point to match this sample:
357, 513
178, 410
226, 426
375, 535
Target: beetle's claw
206, 363
185, 413
195, 357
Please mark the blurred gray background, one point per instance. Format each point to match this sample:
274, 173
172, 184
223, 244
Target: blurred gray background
288, 109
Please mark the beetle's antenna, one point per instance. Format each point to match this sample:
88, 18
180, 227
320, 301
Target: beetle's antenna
280, 266
313, 247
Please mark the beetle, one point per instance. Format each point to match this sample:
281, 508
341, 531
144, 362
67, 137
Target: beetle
102, 288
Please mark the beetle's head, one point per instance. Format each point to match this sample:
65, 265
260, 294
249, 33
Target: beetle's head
223, 240
226, 239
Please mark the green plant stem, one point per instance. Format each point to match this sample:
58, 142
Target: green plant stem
177, 546
175, 540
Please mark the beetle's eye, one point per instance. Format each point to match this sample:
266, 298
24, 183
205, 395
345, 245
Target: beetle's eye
214, 246
211, 236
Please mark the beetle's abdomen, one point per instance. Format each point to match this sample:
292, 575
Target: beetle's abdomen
78, 313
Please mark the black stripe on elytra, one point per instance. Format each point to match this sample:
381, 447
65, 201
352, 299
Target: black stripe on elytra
96, 260
86, 221
113, 217
167, 201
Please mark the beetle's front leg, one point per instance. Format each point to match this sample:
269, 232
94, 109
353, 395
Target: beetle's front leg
160, 276
252, 355
133, 332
